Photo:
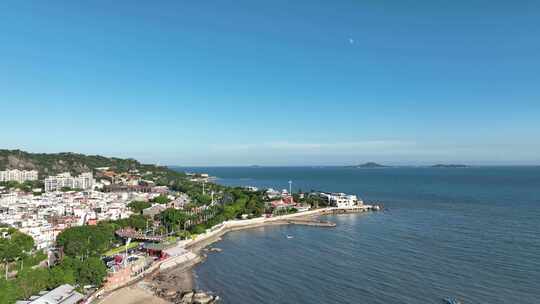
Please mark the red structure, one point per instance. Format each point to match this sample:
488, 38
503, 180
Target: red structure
126, 233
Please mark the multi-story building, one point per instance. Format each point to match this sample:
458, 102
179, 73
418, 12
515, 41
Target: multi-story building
84, 181
342, 200
18, 175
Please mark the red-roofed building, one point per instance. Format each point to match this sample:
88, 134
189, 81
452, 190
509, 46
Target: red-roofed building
284, 202
91, 222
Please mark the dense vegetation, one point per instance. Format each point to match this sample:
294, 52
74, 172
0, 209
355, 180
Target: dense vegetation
17, 248
85, 241
30, 281
136, 221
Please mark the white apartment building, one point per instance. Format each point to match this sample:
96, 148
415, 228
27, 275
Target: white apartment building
342, 200
84, 181
18, 175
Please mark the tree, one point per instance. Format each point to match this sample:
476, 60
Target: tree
86, 241
254, 206
61, 274
137, 221
162, 199
14, 247
8, 253
22, 241
8, 291
138, 206
173, 219
31, 281
198, 229
202, 199
92, 272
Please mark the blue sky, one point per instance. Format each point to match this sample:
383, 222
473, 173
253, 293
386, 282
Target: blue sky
273, 82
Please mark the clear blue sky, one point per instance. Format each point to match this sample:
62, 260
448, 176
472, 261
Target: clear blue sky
277, 82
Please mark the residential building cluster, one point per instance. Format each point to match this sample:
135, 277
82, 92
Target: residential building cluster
84, 181
44, 216
18, 175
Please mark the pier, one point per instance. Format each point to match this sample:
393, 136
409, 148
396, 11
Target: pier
355, 209
311, 223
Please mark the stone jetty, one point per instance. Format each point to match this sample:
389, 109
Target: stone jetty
188, 297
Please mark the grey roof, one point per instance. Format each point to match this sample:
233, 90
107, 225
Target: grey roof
175, 251
63, 294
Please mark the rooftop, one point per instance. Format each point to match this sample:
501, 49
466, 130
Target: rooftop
63, 294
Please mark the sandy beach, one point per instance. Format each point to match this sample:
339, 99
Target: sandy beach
133, 295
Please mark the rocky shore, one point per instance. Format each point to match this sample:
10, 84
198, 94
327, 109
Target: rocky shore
188, 297
176, 285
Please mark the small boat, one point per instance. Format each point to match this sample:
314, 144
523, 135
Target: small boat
452, 301
289, 236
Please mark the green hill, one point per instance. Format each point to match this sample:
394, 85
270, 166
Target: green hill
50, 164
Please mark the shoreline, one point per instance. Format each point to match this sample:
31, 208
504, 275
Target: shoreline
173, 280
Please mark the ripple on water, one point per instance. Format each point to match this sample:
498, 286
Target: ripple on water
459, 233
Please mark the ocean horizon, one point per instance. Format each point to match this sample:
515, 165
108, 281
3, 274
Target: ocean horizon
468, 233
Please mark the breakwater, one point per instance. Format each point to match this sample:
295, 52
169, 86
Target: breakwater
311, 223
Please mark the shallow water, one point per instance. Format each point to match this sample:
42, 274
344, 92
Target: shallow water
471, 233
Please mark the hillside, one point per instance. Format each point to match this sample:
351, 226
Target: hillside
50, 164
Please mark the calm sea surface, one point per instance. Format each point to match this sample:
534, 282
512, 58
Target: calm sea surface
469, 233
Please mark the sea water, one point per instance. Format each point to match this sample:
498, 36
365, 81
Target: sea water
467, 233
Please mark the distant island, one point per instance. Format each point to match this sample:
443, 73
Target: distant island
449, 166
368, 165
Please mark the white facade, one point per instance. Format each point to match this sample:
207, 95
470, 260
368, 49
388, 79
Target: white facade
84, 181
18, 175
342, 200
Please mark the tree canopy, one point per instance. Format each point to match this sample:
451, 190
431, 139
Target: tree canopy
173, 219
73, 271
162, 199
14, 246
139, 206
137, 221
85, 241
